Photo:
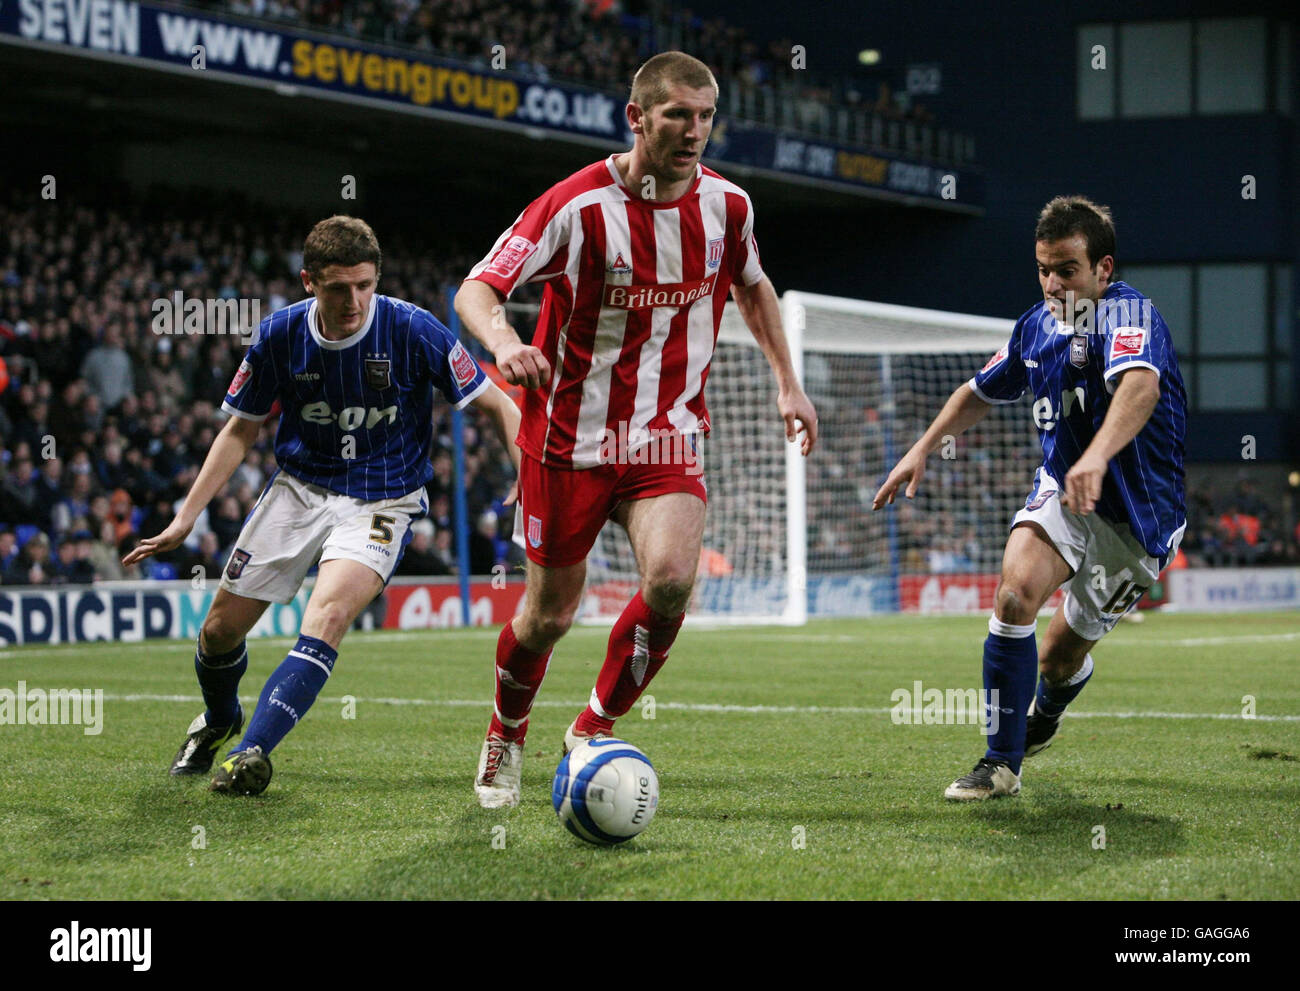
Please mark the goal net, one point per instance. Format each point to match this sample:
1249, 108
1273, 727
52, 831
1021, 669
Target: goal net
788, 536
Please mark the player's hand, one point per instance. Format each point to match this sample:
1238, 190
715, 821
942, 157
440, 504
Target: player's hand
909, 470
169, 539
523, 364
800, 418
1083, 484
512, 496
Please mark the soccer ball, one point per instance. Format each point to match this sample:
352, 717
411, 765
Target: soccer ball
606, 791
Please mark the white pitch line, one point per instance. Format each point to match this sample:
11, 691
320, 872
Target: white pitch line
480, 634
834, 710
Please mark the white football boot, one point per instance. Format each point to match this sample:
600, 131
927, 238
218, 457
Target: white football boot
989, 779
572, 738
500, 767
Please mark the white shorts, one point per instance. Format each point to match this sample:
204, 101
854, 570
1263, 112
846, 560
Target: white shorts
295, 524
1111, 569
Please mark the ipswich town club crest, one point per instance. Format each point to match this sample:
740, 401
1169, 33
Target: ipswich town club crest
235, 566
1078, 350
379, 373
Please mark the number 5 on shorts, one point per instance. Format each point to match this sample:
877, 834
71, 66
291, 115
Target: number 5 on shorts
381, 529
1123, 599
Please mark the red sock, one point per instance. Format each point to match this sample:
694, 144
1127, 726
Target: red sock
519, 674
638, 647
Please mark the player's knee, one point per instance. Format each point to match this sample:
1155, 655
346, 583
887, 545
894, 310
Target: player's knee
1015, 603
552, 625
328, 621
219, 635
668, 592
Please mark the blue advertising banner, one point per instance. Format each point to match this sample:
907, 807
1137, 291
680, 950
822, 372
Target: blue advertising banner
252, 53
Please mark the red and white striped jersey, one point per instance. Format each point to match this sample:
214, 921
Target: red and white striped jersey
634, 294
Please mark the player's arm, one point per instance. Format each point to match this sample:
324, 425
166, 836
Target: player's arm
481, 311
504, 414
1132, 405
227, 453
962, 411
761, 311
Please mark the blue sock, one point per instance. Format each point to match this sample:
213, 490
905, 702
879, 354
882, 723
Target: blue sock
219, 676
289, 693
1010, 667
1051, 700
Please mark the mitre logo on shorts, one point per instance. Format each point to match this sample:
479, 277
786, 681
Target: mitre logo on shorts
1040, 500
462, 366
714, 257
534, 531
996, 359
674, 294
235, 566
1127, 341
514, 253
241, 377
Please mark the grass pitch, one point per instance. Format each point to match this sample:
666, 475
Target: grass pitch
782, 774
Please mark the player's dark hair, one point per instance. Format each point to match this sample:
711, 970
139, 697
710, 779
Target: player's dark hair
1066, 216
651, 82
340, 240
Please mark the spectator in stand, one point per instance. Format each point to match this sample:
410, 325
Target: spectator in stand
446, 553
103, 554
420, 558
73, 507
70, 565
35, 426
32, 566
109, 469
122, 513
48, 487
207, 559
8, 549
484, 546
1241, 532
108, 369
227, 522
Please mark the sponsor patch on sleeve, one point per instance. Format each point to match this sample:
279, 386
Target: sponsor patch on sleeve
997, 359
512, 254
463, 367
1127, 342
240, 380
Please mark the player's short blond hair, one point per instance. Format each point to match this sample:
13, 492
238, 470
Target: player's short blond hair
651, 83
340, 240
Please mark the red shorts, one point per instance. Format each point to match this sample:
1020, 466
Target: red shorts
563, 509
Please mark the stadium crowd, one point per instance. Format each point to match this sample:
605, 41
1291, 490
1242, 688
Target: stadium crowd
104, 423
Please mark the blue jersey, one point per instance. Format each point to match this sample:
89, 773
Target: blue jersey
356, 414
1072, 377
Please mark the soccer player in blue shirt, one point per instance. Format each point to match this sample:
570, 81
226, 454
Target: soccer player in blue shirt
354, 373
1105, 513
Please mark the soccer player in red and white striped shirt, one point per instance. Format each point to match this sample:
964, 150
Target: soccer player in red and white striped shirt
637, 253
